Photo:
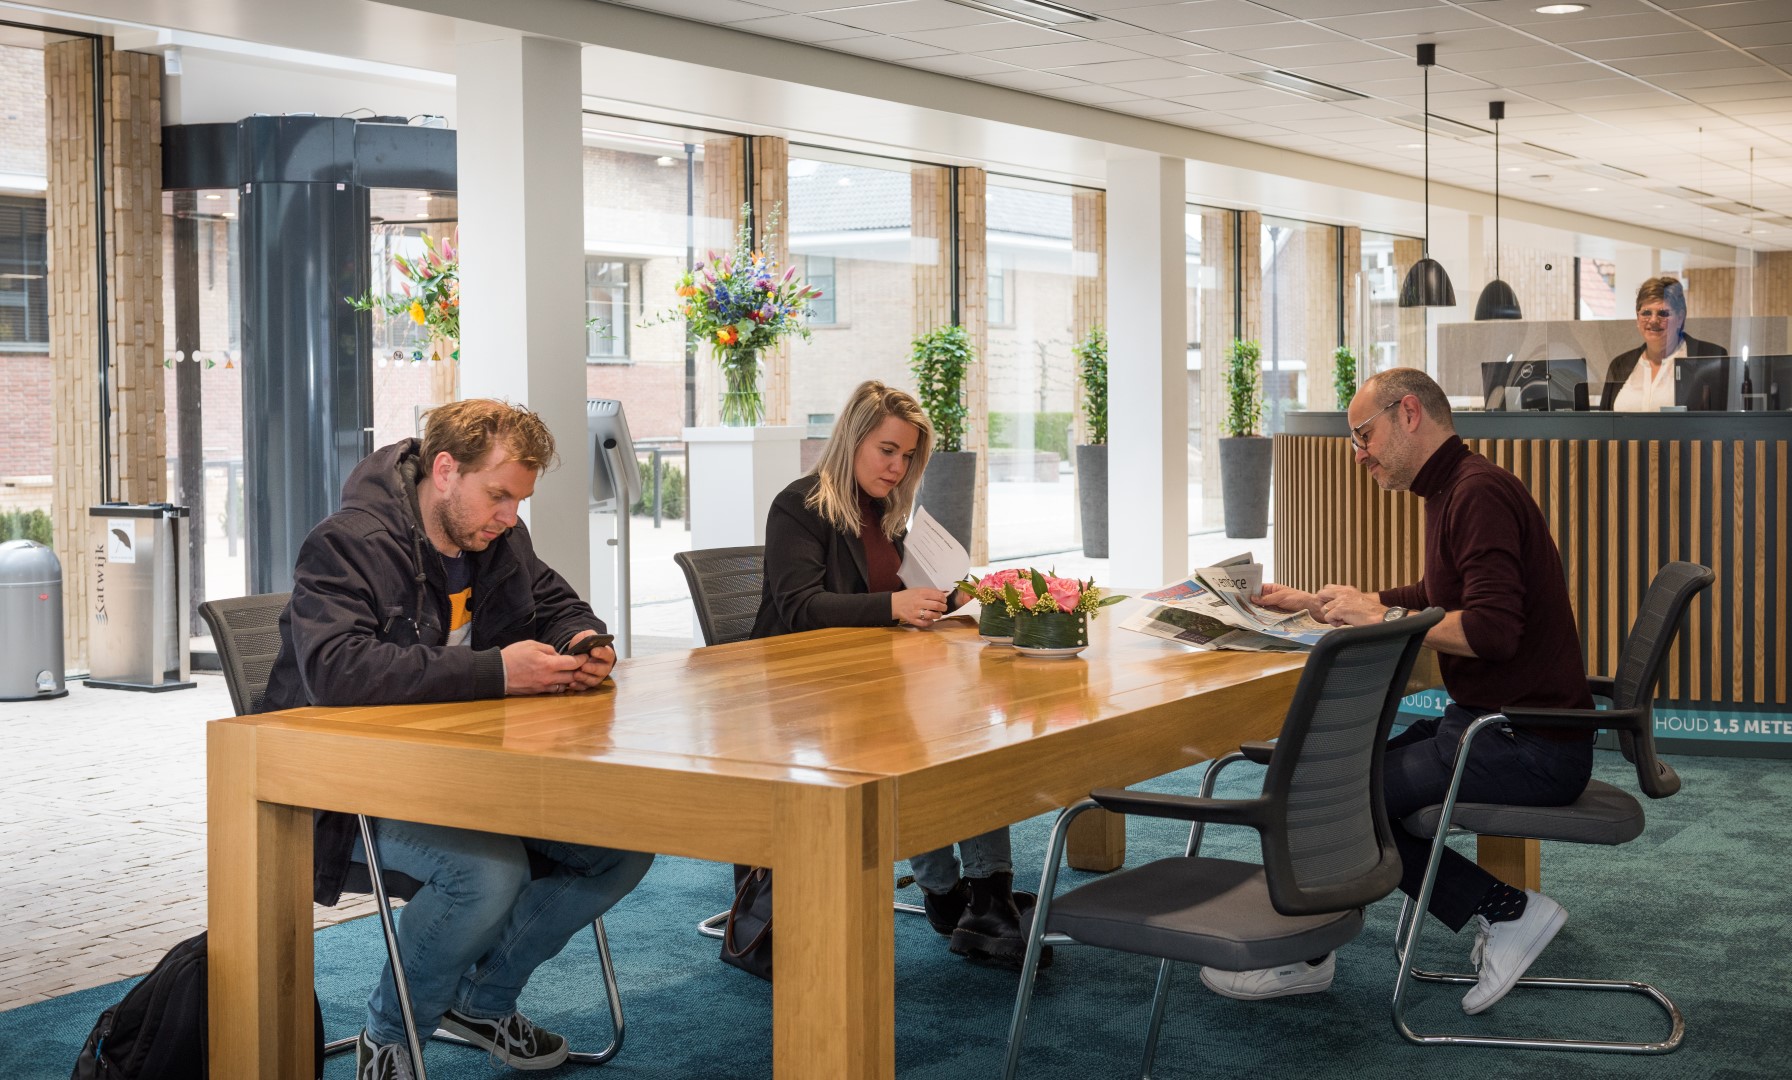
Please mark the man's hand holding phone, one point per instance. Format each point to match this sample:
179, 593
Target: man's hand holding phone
599, 658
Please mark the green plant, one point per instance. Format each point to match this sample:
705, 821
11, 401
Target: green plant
1244, 389
429, 295
1343, 375
671, 491
939, 361
1092, 368
26, 525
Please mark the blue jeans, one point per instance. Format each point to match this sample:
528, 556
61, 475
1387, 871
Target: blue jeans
938, 871
479, 927
1504, 766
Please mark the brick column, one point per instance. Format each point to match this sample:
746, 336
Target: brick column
724, 189
1412, 337
973, 315
1089, 291
131, 224
1319, 248
1351, 239
771, 193
1219, 325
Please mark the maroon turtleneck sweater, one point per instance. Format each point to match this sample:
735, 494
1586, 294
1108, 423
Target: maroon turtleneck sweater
881, 560
1489, 555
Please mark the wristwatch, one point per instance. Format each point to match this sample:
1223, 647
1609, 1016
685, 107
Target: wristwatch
1393, 613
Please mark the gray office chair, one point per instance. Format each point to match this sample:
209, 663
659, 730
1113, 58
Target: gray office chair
1328, 849
1602, 815
246, 633
726, 587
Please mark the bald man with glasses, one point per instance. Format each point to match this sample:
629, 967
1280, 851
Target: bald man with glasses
1507, 639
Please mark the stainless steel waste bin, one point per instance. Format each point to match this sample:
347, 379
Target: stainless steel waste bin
138, 632
30, 622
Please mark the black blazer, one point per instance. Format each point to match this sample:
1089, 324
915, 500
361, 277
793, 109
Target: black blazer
1625, 362
815, 575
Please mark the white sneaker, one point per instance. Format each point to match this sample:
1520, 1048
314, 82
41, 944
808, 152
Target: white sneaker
1299, 977
1504, 951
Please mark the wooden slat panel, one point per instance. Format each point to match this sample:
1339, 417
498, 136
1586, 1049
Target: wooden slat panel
1783, 567
1737, 518
1697, 471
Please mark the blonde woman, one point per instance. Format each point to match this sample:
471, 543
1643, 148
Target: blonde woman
833, 543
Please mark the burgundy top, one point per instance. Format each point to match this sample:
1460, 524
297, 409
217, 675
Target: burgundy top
881, 560
1489, 555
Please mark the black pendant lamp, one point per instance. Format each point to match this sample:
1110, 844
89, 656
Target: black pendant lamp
1498, 301
1426, 283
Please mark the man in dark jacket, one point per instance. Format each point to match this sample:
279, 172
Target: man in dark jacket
424, 587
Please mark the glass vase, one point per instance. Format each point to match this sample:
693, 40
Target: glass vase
742, 405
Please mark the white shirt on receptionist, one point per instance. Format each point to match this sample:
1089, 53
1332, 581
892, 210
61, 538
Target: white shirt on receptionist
1644, 392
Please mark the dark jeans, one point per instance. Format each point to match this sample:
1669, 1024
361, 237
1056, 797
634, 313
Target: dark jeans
1504, 766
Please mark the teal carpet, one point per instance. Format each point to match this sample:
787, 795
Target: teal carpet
1697, 905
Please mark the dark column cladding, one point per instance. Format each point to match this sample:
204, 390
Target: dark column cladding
190, 491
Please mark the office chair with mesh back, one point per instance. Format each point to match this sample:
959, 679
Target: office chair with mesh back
1328, 849
246, 632
725, 589
1602, 815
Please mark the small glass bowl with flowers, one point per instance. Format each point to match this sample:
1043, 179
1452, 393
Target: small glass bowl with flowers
1051, 614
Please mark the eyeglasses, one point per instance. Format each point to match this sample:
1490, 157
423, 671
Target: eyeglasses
1663, 314
1359, 435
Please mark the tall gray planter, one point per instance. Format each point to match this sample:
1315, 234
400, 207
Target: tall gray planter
948, 488
1244, 484
1092, 492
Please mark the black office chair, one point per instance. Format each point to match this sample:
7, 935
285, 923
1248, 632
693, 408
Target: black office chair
725, 588
1328, 849
246, 633
1602, 815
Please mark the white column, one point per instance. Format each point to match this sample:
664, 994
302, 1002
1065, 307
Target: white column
1147, 368
523, 263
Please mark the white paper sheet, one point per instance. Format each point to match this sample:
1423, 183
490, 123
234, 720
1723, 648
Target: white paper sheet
932, 558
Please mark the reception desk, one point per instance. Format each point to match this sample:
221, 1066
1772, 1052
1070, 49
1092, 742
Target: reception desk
1623, 494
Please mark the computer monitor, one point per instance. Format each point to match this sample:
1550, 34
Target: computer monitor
614, 473
1708, 383
1533, 385
1770, 383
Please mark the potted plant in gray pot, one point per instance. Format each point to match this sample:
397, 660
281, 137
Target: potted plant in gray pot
939, 361
1092, 459
1244, 453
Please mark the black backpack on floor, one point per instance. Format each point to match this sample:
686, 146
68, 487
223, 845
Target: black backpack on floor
158, 1032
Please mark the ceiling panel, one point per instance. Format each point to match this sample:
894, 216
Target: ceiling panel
883, 48
1202, 15
1646, 66
905, 15
797, 28
1274, 35
987, 37
961, 65
1124, 70
1064, 55
1651, 45
1743, 14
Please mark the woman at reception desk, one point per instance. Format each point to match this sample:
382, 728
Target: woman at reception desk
1622, 494
1648, 386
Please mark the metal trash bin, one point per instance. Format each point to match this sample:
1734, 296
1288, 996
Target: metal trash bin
30, 622
138, 631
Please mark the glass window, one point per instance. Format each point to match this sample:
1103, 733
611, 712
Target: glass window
608, 313
411, 373
24, 276
1212, 325
818, 270
1031, 372
1385, 325
1300, 312
851, 214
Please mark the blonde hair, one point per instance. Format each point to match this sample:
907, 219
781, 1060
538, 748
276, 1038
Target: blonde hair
469, 429
836, 498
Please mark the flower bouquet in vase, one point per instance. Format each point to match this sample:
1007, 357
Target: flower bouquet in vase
740, 305
994, 622
1051, 614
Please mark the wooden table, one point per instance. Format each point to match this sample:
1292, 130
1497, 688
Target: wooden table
827, 755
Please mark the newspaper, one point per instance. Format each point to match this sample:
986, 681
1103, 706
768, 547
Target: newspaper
1212, 609
932, 558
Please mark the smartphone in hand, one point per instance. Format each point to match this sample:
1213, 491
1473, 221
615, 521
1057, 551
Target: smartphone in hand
588, 644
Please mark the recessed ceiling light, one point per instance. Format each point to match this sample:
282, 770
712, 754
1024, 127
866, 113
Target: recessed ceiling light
1412, 146
1311, 89
1561, 9
1036, 12
1659, 206
1592, 189
1515, 168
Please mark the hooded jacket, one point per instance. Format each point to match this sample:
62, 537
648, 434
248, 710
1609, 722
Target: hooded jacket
367, 621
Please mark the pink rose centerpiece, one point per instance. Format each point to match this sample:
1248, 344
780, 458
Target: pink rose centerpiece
1051, 614
994, 621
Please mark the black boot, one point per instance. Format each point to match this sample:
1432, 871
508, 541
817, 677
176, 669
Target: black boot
992, 926
945, 909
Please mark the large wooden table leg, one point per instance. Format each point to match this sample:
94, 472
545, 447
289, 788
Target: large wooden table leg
1514, 860
1097, 842
258, 945
833, 999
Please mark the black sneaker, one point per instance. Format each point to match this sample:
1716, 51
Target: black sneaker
389, 1062
511, 1039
